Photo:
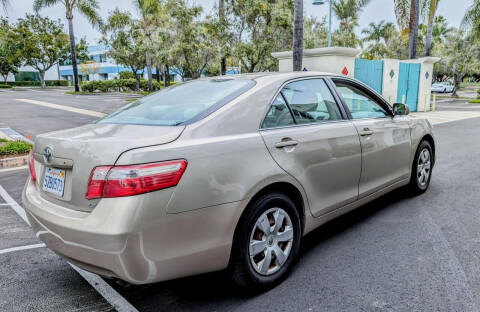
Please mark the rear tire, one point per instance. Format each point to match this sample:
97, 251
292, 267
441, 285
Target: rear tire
421, 168
266, 243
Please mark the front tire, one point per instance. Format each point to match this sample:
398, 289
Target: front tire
422, 168
267, 242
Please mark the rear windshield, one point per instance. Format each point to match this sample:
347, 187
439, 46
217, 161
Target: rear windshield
182, 103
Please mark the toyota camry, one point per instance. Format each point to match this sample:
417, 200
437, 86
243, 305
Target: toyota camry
221, 173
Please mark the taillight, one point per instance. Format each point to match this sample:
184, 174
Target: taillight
118, 181
31, 165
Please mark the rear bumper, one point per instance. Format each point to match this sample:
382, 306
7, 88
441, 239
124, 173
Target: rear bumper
121, 238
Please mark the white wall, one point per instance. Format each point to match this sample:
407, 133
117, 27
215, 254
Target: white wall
329, 60
390, 84
51, 74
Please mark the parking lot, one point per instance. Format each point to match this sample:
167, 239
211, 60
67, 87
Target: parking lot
394, 254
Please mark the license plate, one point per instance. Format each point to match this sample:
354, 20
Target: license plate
54, 181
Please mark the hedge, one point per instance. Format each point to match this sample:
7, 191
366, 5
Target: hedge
49, 83
4, 86
118, 85
15, 148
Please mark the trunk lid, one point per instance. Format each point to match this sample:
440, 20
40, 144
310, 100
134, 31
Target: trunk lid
77, 151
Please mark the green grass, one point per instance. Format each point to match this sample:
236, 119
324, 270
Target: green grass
474, 101
469, 84
130, 100
15, 148
3, 140
4, 86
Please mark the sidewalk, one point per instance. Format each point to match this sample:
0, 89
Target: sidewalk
439, 117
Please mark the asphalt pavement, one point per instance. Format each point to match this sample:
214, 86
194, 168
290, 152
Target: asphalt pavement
398, 253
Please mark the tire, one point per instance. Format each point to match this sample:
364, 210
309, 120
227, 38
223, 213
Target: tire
249, 272
444, 90
421, 169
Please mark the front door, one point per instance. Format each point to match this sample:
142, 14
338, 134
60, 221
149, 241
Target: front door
385, 140
309, 138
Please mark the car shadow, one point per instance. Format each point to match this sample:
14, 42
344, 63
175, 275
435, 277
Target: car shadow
215, 291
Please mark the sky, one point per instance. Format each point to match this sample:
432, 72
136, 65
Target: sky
376, 11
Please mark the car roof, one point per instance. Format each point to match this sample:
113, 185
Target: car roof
277, 75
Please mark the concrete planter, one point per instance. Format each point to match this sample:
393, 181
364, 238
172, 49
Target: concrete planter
16, 161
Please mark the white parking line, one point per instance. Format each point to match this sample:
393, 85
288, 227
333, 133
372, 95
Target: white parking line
102, 287
63, 107
4, 251
13, 169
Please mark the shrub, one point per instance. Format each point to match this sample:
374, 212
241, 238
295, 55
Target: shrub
4, 86
126, 75
49, 83
118, 85
15, 148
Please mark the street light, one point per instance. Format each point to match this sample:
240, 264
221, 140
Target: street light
320, 2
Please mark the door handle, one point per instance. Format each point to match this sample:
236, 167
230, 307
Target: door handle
366, 132
286, 143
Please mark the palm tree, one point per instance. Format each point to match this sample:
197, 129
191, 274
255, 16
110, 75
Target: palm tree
472, 18
149, 11
87, 8
375, 32
4, 4
348, 12
407, 13
433, 5
413, 26
298, 35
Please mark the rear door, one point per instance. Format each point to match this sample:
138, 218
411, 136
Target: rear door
308, 135
385, 140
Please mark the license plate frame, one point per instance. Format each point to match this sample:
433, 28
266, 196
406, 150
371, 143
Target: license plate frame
54, 181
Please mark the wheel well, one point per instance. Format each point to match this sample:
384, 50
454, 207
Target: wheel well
283, 187
430, 140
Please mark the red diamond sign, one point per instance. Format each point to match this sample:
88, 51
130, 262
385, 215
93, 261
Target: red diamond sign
345, 71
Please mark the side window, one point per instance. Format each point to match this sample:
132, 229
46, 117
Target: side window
278, 115
359, 103
311, 101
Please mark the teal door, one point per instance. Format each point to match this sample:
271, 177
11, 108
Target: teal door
408, 81
370, 73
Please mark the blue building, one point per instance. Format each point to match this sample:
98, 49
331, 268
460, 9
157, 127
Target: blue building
101, 68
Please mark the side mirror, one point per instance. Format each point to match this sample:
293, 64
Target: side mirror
400, 109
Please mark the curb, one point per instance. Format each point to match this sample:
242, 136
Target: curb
18, 161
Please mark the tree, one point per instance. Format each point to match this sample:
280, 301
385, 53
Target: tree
149, 11
348, 13
10, 52
460, 57
87, 8
315, 32
472, 18
298, 35
42, 41
407, 13
259, 28
381, 35
195, 45
222, 24
125, 41
4, 4
433, 5
413, 27
89, 68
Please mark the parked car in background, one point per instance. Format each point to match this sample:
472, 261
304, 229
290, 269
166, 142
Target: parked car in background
442, 87
221, 173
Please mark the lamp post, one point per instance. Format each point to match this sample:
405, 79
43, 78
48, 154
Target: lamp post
330, 2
